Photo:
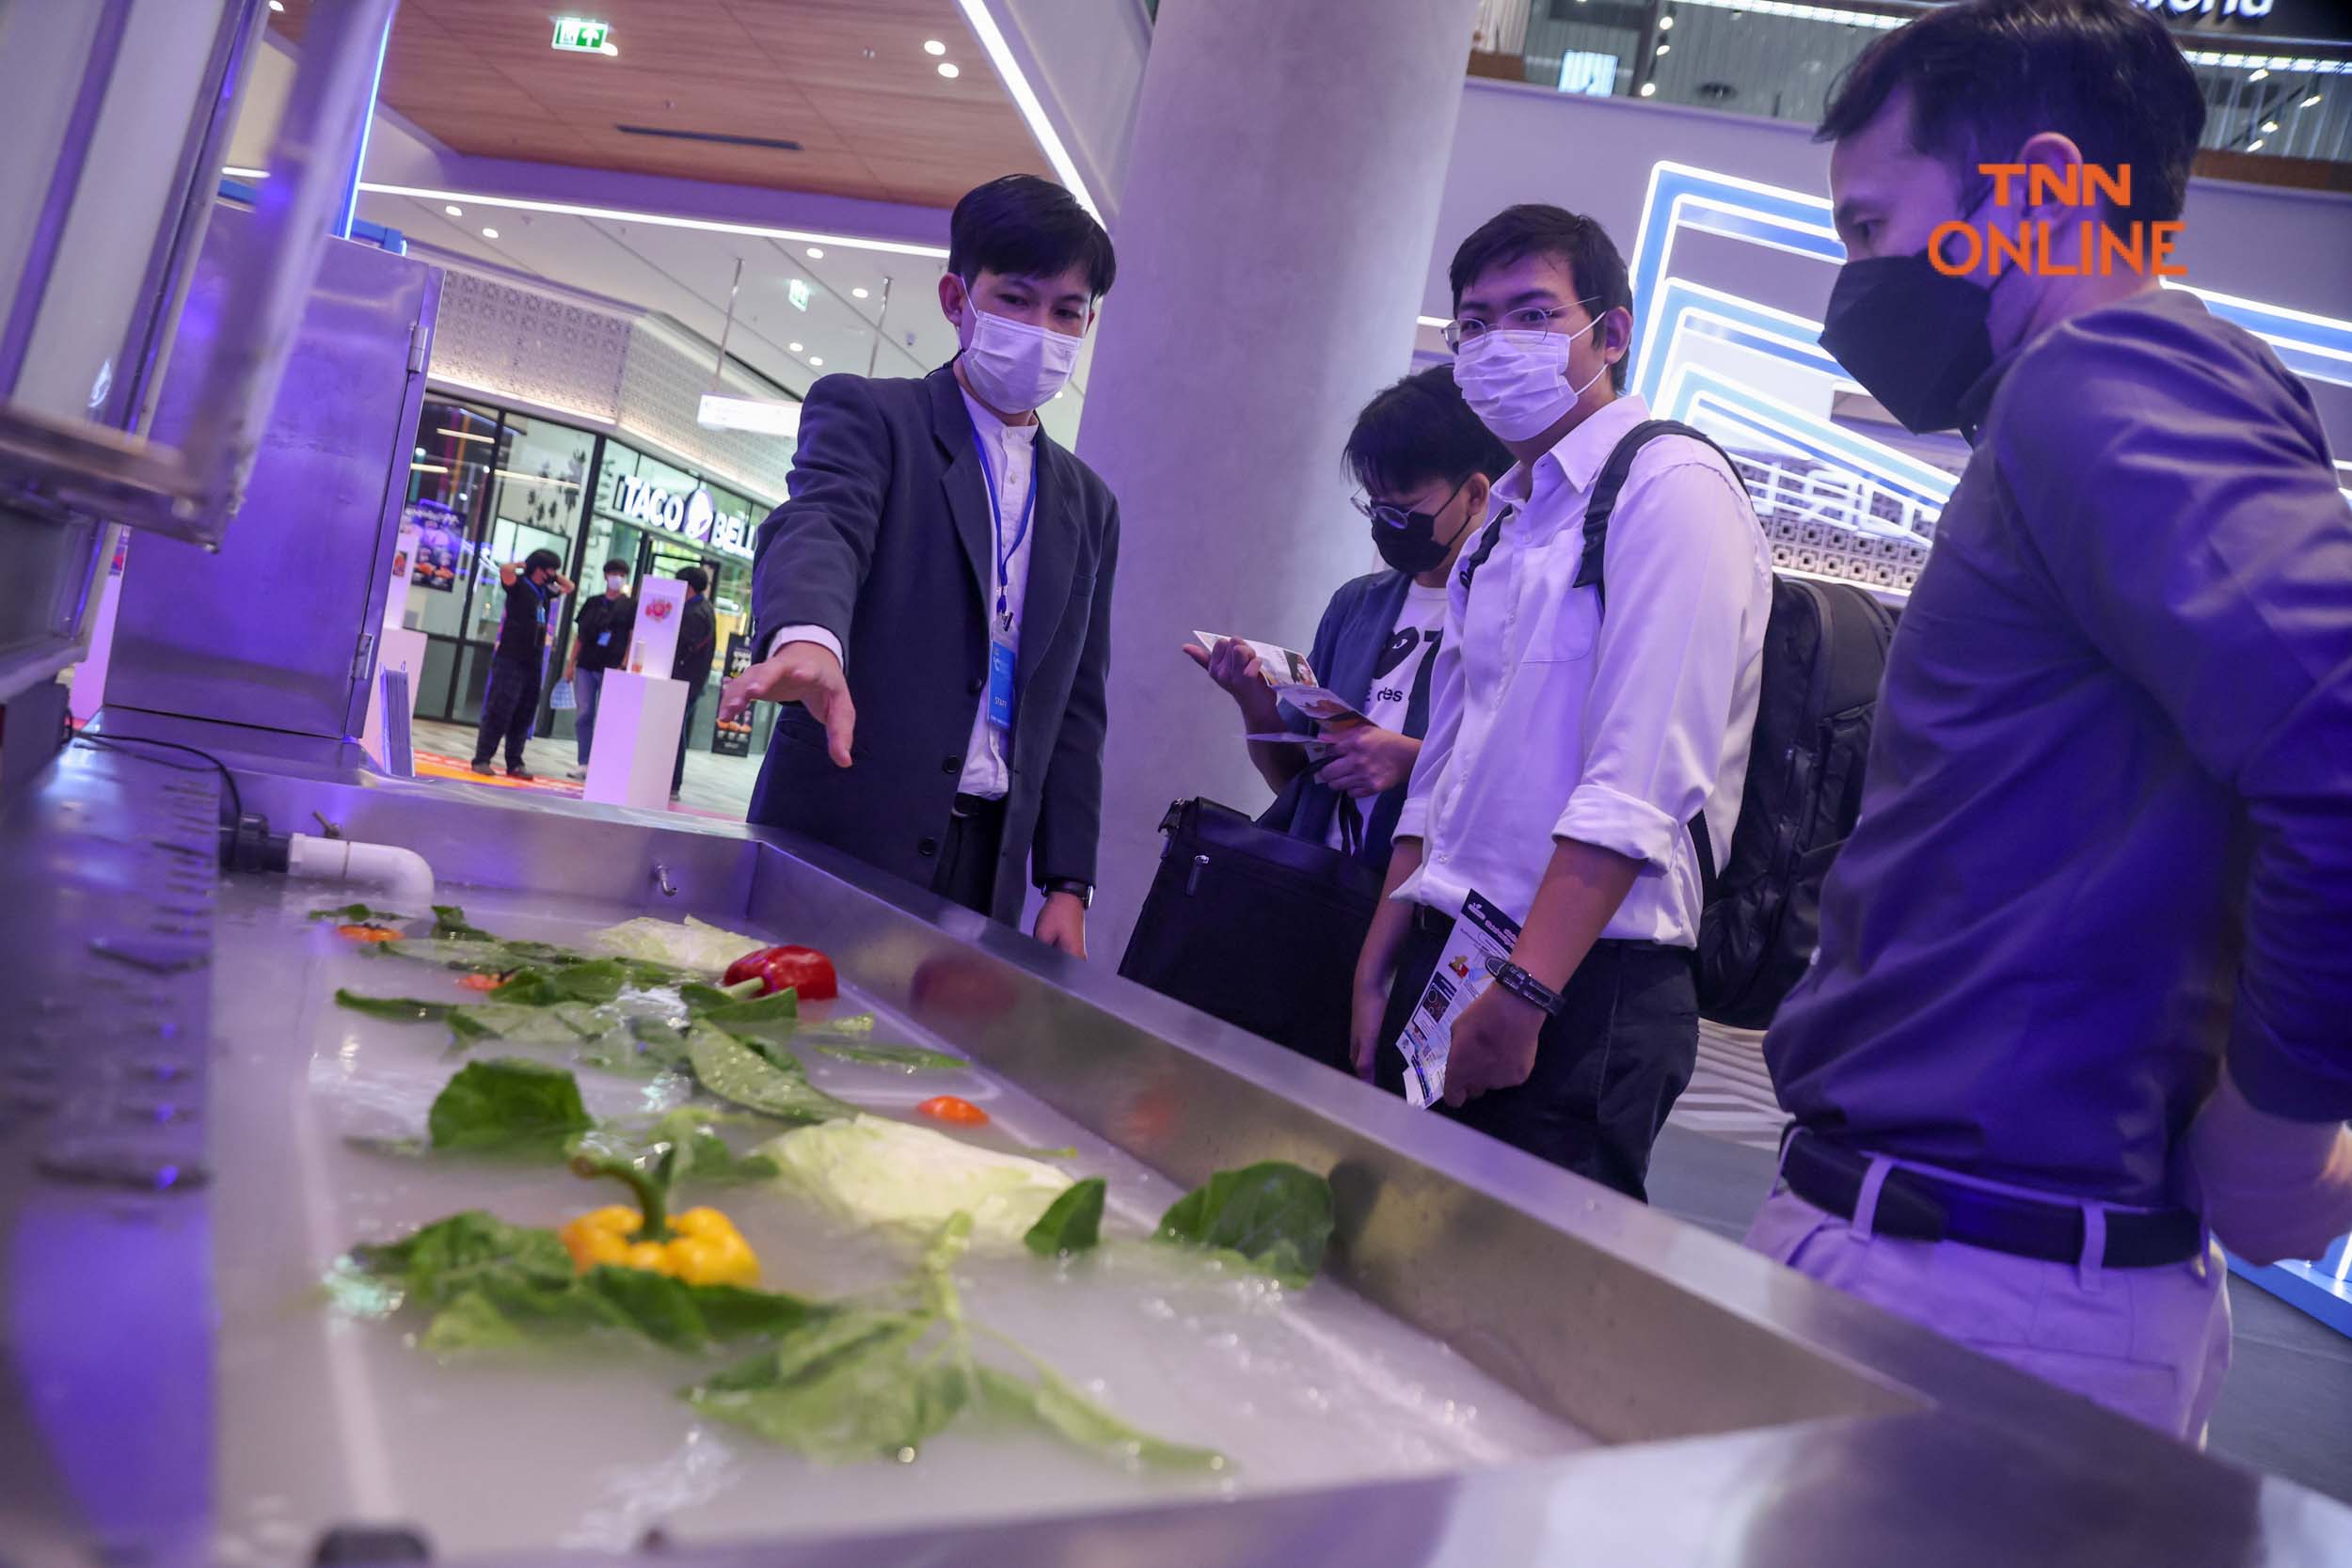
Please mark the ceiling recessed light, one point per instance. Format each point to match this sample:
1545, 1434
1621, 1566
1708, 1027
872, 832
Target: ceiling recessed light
816, 359
2255, 146
1664, 48
816, 253
857, 294
1649, 87
2258, 74
2310, 103
454, 211
277, 5
933, 46
2269, 127
612, 48
1665, 23
948, 69
489, 234
794, 347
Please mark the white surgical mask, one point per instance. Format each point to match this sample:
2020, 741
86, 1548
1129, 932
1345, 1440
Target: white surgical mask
1516, 383
1015, 367
616, 584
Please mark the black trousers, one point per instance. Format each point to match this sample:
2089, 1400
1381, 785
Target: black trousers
685, 727
508, 709
1607, 1069
967, 856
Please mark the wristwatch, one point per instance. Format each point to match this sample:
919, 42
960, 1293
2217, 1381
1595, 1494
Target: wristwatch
1083, 892
1519, 983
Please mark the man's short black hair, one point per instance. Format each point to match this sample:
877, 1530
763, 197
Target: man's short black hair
1986, 75
1534, 229
1023, 226
1418, 431
543, 560
616, 565
694, 578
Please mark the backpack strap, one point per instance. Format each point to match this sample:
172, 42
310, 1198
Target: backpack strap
1611, 479
1486, 541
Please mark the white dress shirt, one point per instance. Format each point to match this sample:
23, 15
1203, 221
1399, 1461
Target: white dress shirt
1012, 458
1548, 720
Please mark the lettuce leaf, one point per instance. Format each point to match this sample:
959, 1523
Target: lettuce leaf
872, 1171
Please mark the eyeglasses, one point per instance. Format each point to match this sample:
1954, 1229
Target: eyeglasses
1381, 515
1531, 318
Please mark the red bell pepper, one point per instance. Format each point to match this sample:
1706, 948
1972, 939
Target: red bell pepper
802, 969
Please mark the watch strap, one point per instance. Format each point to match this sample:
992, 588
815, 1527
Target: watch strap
1519, 983
1083, 891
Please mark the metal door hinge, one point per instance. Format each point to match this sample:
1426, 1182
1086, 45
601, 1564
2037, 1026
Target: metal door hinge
363, 656
416, 348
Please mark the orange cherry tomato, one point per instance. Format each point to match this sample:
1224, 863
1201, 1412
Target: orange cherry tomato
481, 982
948, 1108
367, 933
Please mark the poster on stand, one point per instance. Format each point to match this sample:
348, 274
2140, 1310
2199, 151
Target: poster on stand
440, 532
654, 647
732, 737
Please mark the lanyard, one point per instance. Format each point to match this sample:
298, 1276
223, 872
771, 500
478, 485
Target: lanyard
995, 523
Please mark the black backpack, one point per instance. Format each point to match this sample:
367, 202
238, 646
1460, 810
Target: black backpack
1824, 652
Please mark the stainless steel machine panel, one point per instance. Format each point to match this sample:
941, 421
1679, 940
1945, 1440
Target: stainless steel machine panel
274, 629
1746, 1416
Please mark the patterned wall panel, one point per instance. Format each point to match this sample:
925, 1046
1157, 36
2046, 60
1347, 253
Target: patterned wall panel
642, 377
537, 347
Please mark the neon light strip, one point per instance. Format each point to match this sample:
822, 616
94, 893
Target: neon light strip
1895, 471
1024, 97
665, 220
367, 124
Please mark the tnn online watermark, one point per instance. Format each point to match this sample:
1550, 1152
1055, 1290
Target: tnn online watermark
2137, 246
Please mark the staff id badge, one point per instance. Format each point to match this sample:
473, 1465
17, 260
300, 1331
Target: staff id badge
1000, 679
1480, 931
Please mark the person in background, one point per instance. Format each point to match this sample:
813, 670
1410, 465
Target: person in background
946, 567
1569, 751
600, 634
2079, 1002
518, 658
1427, 468
697, 643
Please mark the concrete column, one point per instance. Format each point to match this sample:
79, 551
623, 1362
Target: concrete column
1273, 237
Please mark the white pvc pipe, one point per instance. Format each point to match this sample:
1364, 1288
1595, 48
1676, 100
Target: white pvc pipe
400, 873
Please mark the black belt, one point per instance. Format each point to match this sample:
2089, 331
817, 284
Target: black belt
1914, 1206
978, 805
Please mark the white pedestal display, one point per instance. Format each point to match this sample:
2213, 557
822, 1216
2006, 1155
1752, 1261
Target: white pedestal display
401, 649
638, 720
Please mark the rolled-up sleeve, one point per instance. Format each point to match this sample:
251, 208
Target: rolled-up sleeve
2212, 565
1683, 567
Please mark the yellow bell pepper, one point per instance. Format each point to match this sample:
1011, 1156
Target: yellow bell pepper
700, 1247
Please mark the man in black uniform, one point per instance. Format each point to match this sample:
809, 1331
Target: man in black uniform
513, 698
599, 643
697, 640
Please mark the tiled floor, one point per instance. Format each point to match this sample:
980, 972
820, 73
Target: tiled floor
715, 785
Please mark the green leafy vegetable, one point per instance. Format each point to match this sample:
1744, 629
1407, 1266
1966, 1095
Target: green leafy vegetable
734, 1071
771, 1017
436, 1263
596, 982
449, 921
893, 1174
907, 1058
354, 915
1052, 1402
508, 1106
479, 957
564, 1024
407, 1009
1072, 1223
702, 1155
695, 946
1273, 1215
841, 1388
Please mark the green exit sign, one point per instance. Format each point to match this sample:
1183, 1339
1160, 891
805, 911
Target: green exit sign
578, 32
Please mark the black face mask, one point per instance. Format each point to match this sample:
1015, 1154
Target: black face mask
1408, 541
1915, 337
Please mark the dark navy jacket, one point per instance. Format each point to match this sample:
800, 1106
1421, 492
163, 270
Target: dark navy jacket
1346, 653
885, 543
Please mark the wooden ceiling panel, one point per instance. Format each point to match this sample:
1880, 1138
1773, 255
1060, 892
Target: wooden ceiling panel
847, 79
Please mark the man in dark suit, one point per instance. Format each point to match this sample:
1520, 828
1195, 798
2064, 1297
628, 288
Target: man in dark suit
697, 641
946, 567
